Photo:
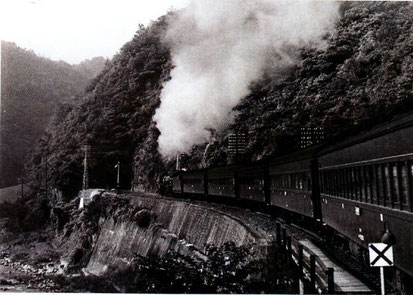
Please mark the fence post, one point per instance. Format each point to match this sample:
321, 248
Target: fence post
312, 272
289, 250
278, 233
300, 268
300, 260
330, 278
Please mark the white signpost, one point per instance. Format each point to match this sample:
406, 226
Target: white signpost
381, 255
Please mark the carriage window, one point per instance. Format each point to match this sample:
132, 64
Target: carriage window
395, 188
362, 183
333, 183
353, 184
410, 185
404, 183
321, 181
301, 181
387, 187
336, 187
193, 180
374, 192
221, 181
329, 182
358, 183
367, 183
340, 182
380, 185
326, 180
344, 182
348, 184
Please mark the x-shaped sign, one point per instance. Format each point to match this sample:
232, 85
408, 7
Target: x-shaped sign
381, 254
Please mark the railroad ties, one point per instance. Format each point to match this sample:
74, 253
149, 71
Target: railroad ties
318, 273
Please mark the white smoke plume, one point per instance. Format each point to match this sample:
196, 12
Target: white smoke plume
219, 47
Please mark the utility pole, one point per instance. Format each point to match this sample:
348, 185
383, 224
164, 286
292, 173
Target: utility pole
85, 170
118, 175
177, 163
45, 168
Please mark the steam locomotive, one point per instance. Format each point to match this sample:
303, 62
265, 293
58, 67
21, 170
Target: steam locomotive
360, 188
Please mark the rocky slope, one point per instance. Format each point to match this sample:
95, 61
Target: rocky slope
139, 243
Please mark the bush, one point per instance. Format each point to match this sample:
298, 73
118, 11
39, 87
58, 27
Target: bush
228, 269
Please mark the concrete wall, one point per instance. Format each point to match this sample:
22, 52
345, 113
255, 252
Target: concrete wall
183, 227
12, 193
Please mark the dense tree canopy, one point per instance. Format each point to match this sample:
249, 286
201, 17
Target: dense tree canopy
363, 73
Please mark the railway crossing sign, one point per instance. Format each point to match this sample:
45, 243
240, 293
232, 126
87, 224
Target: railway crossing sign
380, 255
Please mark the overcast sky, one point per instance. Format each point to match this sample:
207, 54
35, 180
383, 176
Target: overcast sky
74, 30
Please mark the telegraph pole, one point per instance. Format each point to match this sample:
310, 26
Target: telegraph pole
85, 170
45, 168
177, 163
118, 175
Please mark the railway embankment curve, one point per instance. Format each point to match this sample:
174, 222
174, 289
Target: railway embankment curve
179, 226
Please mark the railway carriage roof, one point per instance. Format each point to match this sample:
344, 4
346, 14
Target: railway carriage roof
298, 156
397, 123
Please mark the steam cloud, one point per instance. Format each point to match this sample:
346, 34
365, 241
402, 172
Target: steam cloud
219, 47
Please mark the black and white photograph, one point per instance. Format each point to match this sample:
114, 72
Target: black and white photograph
206, 146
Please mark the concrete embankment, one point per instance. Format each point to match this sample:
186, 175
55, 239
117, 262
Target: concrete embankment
12, 193
176, 225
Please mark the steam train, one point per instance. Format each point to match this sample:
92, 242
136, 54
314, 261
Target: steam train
360, 188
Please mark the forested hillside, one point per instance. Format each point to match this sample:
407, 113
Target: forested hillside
113, 119
32, 87
363, 75
365, 72
91, 67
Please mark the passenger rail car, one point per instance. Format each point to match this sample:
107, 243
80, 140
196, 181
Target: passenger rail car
251, 183
222, 182
176, 184
194, 182
362, 187
291, 184
366, 188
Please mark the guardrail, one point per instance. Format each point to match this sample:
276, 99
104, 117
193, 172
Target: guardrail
308, 264
311, 268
